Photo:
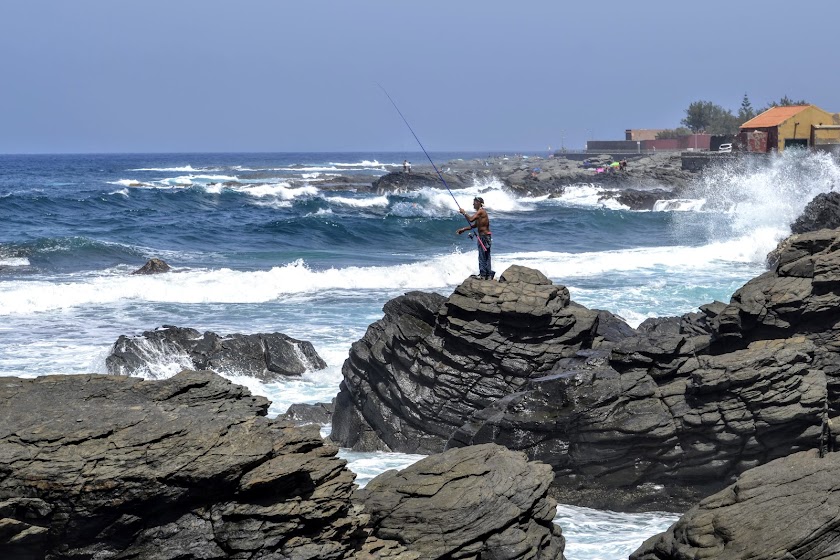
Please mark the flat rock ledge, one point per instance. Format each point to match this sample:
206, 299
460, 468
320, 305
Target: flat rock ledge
189, 468
788, 508
265, 356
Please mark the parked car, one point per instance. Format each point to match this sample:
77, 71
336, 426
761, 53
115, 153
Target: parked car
725, 148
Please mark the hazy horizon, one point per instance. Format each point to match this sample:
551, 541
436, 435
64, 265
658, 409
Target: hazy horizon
92, 76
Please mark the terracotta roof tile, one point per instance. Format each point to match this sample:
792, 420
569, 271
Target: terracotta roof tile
774, 116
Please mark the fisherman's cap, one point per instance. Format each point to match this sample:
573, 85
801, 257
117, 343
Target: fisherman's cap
478, 198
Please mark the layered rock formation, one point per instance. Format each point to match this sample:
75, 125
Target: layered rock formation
496, 507
189, 468
96, 466
788, 508
264, 356
687, 402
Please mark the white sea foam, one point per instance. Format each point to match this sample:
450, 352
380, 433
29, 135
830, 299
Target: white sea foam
438, 273
585, 531
14, 261
282, 190
360, 202
363, 163
679, 205
588, 195
744, 199
187, 168
127, 183
366, 466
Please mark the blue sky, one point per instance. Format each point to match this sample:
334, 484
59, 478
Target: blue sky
211, 76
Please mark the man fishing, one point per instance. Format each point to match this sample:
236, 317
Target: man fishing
481, 221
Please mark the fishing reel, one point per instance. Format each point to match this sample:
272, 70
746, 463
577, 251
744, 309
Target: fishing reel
471, 235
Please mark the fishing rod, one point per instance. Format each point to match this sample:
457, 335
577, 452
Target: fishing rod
442, 180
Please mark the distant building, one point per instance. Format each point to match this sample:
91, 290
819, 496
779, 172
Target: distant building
637, 134
803, 126
690, 143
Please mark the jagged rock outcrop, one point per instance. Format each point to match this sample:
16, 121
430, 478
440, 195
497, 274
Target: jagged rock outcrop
788, 508
680, 406
823, 212
153, 266
266, 356
100, 466
431, 362
497, 507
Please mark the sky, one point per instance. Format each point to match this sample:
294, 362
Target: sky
114, 76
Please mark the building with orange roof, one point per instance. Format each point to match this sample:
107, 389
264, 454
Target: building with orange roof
802, 126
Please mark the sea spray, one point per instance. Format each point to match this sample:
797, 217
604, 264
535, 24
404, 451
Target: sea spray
758, 200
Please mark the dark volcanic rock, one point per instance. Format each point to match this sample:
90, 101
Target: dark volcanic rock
497, 506
190, 468
424, 368
264, 356
153, 266
302, 414
97, 466
397, 181
687, 403
823, 212
788, 508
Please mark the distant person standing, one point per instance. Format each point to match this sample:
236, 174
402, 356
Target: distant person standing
405, 166
480, 221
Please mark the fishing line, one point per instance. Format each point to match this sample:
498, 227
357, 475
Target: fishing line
442, 180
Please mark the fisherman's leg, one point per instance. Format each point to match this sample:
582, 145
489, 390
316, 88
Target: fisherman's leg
484, 262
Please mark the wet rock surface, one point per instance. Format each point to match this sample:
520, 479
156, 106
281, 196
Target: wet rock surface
153, 266
266, 356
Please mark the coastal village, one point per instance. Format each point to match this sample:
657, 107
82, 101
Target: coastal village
775, 130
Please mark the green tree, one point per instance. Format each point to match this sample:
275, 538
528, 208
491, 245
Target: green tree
785, 101
746, 112
698, 116
673, 133
705, 116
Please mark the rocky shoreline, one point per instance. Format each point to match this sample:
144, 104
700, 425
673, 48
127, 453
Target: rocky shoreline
519, 395
645, 180
100, 466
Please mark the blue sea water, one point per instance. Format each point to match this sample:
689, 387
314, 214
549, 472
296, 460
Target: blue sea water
258, 245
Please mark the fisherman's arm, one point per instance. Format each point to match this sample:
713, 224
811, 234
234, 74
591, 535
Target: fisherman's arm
471, 220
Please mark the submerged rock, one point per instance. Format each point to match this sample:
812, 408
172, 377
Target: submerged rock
153, 266
267, 357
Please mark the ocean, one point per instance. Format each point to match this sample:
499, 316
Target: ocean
257, 246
